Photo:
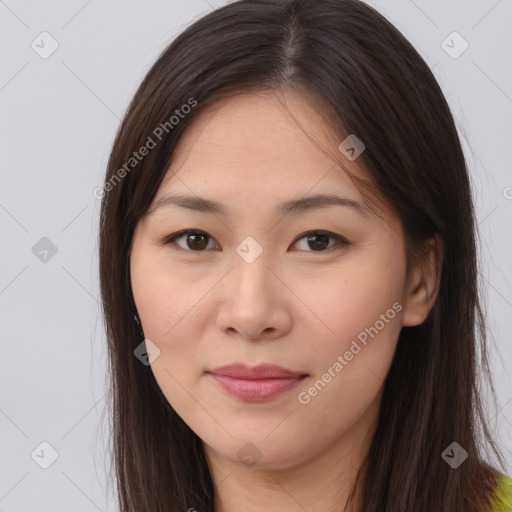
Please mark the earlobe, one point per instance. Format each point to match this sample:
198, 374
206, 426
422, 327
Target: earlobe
423, 286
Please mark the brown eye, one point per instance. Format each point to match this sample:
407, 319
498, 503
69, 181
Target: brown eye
194, 240
318, 241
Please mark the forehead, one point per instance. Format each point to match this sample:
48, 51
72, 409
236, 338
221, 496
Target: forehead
261, 147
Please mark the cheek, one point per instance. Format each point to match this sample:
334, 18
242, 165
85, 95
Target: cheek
354, 350
167, 309
345, 306
358, 318
167, 305
169, 318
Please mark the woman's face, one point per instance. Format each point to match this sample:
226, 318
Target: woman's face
259, 283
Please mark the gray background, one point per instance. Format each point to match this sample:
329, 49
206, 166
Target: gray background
58, 119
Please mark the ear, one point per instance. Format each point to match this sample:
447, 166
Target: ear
423, 285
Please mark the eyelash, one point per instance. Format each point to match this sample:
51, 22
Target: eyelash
171, 239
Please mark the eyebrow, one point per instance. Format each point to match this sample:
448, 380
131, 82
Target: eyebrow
303, 204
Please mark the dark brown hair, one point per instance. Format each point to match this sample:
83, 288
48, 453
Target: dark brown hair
373, 83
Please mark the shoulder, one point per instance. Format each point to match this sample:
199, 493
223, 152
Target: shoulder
502, 501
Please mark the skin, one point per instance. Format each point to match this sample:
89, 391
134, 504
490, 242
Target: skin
293, 306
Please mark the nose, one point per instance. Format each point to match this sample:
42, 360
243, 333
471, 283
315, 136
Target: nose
256, 303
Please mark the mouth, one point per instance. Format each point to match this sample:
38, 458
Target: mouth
256, 384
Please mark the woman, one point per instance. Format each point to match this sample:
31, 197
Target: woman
288, 274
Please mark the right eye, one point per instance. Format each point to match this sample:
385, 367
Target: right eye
195, 240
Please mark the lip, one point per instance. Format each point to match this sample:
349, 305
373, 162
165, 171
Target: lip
262, 371
256, 384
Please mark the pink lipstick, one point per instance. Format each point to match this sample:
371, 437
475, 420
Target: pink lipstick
256, 384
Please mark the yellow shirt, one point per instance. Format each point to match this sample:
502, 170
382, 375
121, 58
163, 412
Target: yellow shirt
503, 496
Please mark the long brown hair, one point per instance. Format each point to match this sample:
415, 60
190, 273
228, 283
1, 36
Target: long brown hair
373, 83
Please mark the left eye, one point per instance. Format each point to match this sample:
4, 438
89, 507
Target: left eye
198, 240
319, 240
